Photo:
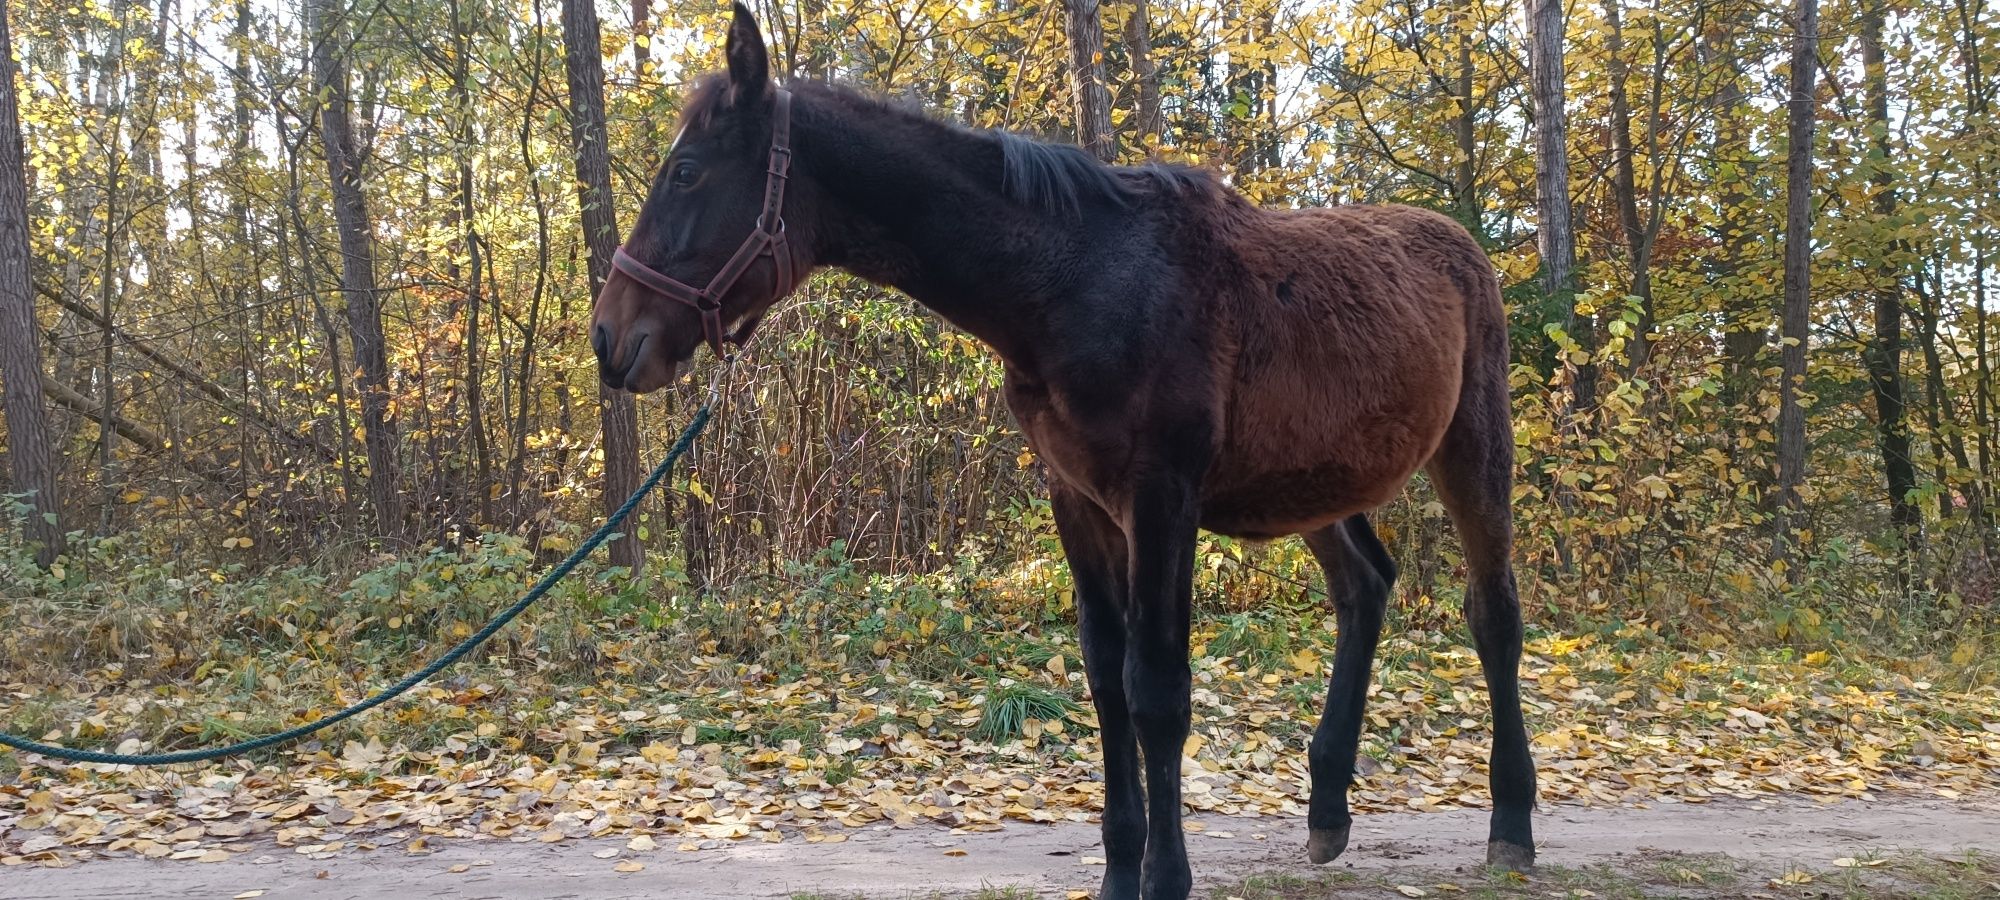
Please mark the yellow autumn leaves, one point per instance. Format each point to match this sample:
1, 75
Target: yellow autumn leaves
727, 758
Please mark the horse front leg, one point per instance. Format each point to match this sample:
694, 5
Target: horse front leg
1095, 548
1161, 537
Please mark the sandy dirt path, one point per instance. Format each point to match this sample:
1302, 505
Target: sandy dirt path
891, 864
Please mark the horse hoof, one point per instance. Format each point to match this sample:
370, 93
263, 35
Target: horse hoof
1511, 857
1324, 845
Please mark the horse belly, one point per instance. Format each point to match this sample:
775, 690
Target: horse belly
1276, 503
1304, 452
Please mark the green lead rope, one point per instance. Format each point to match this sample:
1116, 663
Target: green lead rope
541, 588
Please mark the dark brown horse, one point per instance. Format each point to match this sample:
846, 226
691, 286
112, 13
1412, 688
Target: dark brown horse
1178, 358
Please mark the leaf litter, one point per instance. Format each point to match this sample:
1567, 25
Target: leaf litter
749, 758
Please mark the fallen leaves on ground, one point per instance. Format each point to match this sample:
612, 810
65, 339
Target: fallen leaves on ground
735, 754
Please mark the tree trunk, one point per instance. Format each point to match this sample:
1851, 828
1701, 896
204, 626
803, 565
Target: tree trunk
1625, 184
357, 263
642, 38
90, 408
113, 247
1794, 321
146, 225
1465, 129
248, 365
1947, 432
1086, 79
1982, 399
1742, 343
530, 328
1555, 235
244, 408
305, 268
1978, 106
583, 52
475, 375
1139, 47
642, 61
29, 456
1885, 352
1269, 144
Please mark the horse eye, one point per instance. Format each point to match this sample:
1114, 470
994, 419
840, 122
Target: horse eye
684, 175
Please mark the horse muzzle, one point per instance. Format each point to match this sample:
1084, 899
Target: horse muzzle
638, 345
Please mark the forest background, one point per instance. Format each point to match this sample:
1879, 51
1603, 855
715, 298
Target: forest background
297, 389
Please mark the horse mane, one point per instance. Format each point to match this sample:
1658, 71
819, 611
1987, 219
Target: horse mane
1058, 178
1054, 178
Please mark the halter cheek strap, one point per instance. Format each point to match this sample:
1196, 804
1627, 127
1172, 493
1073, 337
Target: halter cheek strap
767, 239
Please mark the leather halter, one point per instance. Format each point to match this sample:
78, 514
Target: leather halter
768, 239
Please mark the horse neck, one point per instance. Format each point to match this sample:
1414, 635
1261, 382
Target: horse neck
918, 206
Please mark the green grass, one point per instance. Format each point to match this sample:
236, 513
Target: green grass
1909, 876
1258, 639
1284, 886
1691, 871
1009, 707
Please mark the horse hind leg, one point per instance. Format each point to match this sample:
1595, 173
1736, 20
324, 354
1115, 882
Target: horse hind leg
1473, 473
1359, 574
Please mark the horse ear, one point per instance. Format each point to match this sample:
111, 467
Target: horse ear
749, 63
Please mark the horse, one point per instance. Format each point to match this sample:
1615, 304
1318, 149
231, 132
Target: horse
1176, 357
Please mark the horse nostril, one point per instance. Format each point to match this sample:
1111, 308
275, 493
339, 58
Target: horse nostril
600, 342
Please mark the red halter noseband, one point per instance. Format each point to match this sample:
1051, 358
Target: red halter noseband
767, 239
